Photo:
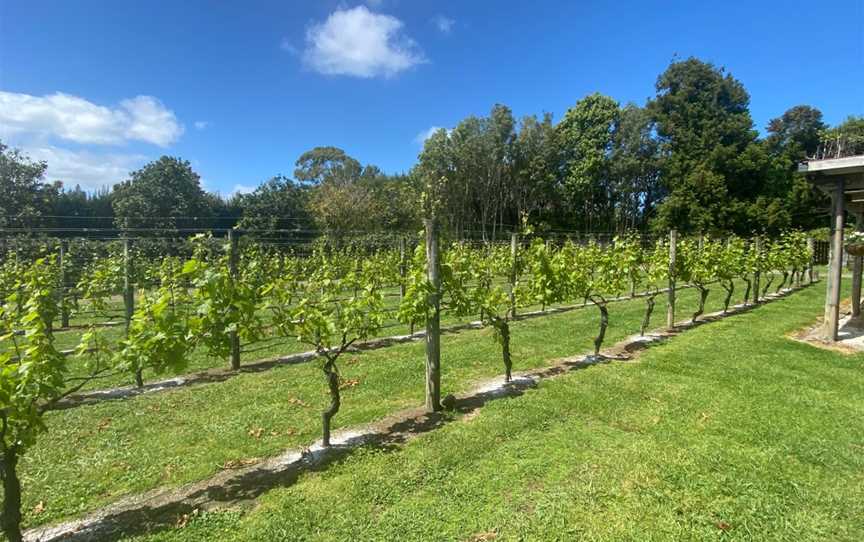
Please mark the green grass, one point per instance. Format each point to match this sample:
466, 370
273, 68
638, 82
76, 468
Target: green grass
92, 455
728, 432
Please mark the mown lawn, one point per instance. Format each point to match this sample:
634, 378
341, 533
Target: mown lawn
729, 431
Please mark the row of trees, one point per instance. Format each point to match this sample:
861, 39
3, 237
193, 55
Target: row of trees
689, 158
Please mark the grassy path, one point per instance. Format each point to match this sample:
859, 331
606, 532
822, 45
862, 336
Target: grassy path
729, 431
94, 454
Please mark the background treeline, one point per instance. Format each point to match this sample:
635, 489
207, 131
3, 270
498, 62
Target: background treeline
689, 159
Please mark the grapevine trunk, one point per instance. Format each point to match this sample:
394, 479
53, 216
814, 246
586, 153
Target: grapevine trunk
10, 518
332, 375
649, 309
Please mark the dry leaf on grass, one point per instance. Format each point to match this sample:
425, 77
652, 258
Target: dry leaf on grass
39, 508
239, 463
298, 402
348, 383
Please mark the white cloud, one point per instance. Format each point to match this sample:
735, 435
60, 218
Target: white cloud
421, 138
201, 124
444, 24
360, 43
142, 118
242, 189
84, 168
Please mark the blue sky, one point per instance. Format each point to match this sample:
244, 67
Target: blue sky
241, 89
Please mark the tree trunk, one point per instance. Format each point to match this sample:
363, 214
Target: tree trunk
649, 302
703, 295
730, 289
604, 323
10, 519
332, 376
747, 291
139, 378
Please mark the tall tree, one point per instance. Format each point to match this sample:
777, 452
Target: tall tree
26, 198
326, 164
635, 169
709, 163
277, 205
796, 133
165, 195
585, 137
535, 164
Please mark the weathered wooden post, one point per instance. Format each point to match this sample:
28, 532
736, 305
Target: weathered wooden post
403, 268
757, 274
64, 284
856, 273
835, 265
514, 248
233, 336
670, 306
433, 322
129, 298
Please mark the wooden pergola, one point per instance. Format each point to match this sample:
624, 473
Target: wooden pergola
843, 180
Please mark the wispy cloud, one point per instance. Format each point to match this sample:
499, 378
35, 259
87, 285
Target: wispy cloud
71, 118
242, 189
444, 24
421, 138
202, 124
359, 43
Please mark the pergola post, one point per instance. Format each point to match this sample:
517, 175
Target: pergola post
856, 272
835, 265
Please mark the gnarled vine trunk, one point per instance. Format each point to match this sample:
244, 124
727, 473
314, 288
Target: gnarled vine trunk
604, 323
332, 375
10, 518
649, 308
503, 329
730, 289
703, 295
139, 378
768, 284
782, 282
747, 291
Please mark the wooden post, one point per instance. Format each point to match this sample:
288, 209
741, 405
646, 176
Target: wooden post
835, 265
232, 272
757, 275
129, 298
402, 268
64, 284
514, 252
433, 323
856, 272
670, 307
128, 287
811, 247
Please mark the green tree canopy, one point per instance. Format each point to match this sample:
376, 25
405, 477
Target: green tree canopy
163, 194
